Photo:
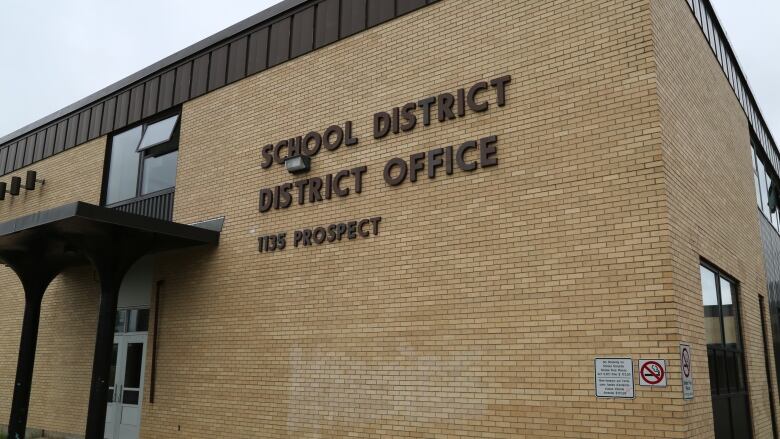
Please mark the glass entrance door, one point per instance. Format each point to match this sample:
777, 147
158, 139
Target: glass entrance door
123, 415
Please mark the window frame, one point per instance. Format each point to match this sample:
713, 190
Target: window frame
142, 168
126, 324
736, 299
154, 151
768, 175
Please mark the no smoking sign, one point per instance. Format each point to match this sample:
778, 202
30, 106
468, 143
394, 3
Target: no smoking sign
652, 373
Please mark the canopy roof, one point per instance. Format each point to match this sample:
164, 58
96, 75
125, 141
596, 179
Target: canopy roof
79, 232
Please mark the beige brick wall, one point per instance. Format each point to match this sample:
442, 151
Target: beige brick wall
63, 363
72, 175
711, 198
479, 309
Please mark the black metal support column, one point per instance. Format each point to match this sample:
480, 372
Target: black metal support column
17, 425
112, 263
38, 246
101, 362
35, 280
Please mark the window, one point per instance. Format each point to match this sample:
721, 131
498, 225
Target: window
159, 172
763, 187
158, 133
143, 160
766, 187
728, 384
123, 167
131, 320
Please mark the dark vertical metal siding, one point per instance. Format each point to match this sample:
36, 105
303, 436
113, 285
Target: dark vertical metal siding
70, 134
165, 99
94, 121
158, 205
237, 60
83, 129
405, 6
379, 11
302, 33
150, 96
29, 150
353, 17
40, 140
48, 147
122, 103
59, 143
200, 76
279, 46
134, 111
9, 165
3, 157
20, 146
258, 51
182, 83
218, 68
327, 27
107, 124
291, 34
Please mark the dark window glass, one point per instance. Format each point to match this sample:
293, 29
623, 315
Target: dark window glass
723, 377
139, 320
143, 160
158, 132
123, 168
133, 365
755, 178
709, 292
130, 397
120, 325
763, 187
729, 314
159, 172
724, 355
770, 192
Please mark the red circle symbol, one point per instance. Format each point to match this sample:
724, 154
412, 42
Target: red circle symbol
652, 373
686, 363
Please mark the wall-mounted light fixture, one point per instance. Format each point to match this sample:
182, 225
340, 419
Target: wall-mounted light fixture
297, 164
32, 178
16, 184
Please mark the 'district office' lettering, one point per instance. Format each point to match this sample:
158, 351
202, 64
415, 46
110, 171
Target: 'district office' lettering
313, 190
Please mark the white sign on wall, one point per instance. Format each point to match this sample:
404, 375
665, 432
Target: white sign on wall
687, 371
614, 378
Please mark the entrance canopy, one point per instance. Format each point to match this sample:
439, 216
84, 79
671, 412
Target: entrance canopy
39, 246
71, 233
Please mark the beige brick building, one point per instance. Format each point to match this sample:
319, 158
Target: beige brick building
578, 189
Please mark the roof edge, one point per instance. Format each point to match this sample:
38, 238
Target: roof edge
264, 15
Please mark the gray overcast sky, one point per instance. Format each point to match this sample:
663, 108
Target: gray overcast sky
57, 52
753, 31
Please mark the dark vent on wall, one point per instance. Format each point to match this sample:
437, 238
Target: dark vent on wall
274, 36
158, 205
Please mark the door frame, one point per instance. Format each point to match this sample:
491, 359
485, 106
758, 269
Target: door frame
115, 404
